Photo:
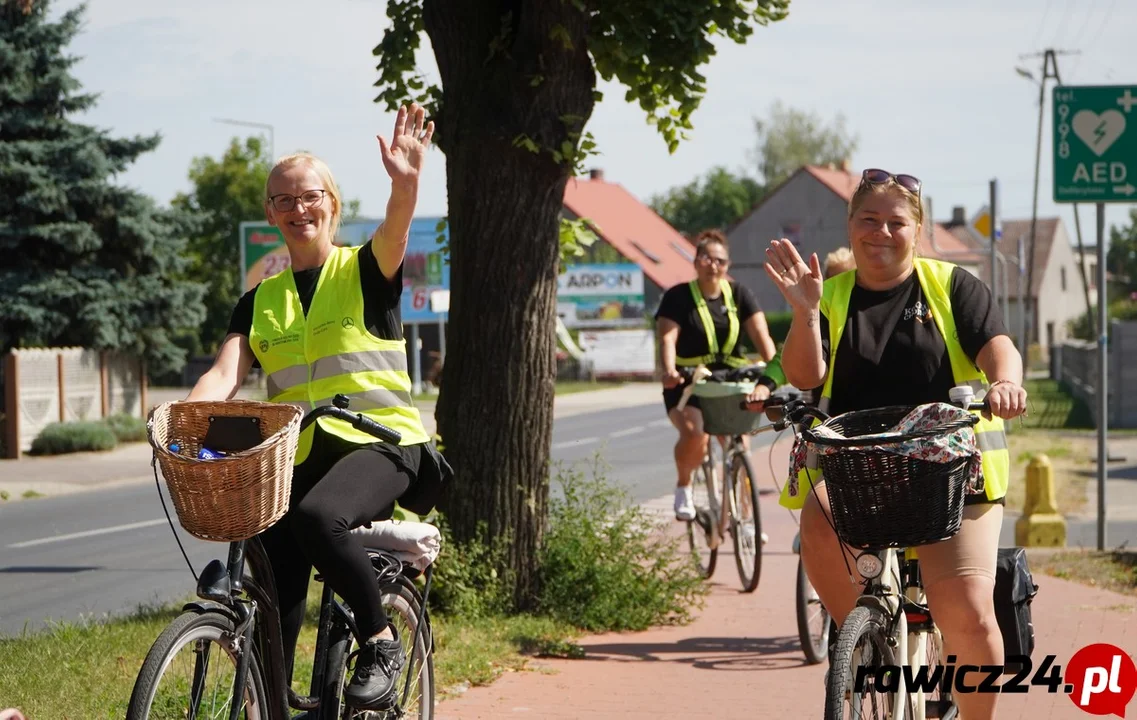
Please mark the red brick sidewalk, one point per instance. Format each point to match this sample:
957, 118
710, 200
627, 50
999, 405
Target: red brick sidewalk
740, 658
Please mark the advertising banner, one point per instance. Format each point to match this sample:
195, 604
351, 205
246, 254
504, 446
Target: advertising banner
601, 295
263, 254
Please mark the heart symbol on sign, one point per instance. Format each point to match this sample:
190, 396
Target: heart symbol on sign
1099, 132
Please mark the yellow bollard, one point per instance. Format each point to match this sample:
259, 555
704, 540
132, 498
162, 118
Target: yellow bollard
1040, 524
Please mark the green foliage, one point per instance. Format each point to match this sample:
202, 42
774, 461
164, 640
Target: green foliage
576, 236
466, 580
1121, 256
226, 192
656, 47
87, 262
790, 138
60, 438
717, 200
126, 428
607, 564
1082, 327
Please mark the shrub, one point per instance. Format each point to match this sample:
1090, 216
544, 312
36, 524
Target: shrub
608, 565
126, 428
466, 580
59, 438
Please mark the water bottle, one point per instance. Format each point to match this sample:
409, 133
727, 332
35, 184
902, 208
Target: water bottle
207, 454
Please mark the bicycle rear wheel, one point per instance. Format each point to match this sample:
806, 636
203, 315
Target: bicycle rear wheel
402, 607
862, 648
813, 620
706, 489
745, 521
189, 672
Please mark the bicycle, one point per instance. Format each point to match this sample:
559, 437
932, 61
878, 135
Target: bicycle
889, 621
740, 515
237, 614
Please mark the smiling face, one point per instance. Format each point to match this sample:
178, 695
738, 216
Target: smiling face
883, 228
304, 205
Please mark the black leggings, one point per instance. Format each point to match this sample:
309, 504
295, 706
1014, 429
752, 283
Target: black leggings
317, 532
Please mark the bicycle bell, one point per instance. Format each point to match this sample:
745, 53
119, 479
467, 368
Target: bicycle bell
962, 395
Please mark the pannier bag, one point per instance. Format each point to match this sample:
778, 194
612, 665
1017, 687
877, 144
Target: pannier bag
1014, 591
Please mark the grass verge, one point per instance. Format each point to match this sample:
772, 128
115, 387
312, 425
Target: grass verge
603, 568
1111, 570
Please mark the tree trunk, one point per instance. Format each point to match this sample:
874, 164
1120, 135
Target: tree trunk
505, 72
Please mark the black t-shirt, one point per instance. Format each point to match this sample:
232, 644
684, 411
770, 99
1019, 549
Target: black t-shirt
678, 305
892, 352
381, 312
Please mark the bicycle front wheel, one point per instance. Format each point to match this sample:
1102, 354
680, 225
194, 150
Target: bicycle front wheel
813, 620
189, 672
854, 687
702, 532
402, 608
745, 521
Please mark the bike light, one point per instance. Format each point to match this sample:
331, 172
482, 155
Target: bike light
869, 565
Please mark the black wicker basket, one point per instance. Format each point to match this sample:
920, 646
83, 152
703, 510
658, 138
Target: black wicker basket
882, 499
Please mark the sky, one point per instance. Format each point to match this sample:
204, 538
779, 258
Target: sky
928, 88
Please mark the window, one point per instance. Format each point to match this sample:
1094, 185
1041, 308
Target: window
683, 251
1063, 273
649, 255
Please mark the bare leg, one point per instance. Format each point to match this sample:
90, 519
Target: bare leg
959, 579
826, 567
692, 443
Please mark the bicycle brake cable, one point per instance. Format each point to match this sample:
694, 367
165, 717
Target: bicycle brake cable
154, 467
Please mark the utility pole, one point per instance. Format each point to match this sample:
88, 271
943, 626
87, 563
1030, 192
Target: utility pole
1049, 70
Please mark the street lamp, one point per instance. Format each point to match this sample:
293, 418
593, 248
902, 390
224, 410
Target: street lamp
246, 123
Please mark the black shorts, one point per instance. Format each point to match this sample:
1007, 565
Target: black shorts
671, 397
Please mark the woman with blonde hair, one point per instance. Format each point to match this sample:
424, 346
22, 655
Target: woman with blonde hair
329, 324
913, 328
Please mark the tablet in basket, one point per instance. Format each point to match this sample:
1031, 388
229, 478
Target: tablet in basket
233, 433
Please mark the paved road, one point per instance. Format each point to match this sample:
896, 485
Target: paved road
108, 551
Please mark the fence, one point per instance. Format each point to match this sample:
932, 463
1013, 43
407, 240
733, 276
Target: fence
46, 385
1076, 364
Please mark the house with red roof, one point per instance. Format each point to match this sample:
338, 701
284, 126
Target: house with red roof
630, 231
810, 208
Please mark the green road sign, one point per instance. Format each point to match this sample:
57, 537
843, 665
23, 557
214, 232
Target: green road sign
1095, 144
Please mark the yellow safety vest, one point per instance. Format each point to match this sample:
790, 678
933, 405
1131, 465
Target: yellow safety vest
714, 354
309, 360
934, 277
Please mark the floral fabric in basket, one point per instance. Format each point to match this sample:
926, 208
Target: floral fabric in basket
941, 449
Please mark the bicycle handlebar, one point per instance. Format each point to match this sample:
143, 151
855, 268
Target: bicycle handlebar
338, 409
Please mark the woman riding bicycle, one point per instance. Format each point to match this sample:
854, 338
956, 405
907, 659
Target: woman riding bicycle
901, 330
328, 325
698, 324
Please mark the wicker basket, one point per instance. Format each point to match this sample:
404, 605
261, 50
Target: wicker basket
719, 402
881, 499
235, 497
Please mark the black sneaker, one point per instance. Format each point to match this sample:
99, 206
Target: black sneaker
377, 667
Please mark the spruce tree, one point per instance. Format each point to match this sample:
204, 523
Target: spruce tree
83, 261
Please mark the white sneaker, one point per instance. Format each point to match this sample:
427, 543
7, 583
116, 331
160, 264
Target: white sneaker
765, 538
684, 505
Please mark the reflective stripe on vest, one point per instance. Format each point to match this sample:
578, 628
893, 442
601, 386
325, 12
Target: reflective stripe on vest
935, 280
309, 360
713, 352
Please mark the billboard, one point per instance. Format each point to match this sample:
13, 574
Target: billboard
609, 295
264, 254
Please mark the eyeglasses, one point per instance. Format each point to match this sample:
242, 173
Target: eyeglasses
285, 202
714, 260
876, 176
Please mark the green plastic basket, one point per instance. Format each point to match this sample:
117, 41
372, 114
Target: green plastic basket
722, 415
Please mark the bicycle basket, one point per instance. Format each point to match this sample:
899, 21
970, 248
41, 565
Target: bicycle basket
235, 497
880, 498
720, 402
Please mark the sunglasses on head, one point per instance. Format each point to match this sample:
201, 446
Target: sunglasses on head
876, 176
